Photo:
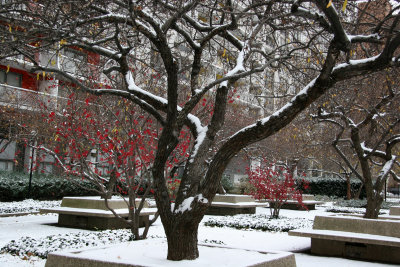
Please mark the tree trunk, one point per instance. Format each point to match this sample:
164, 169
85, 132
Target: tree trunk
373, 207
358, 193
275, 206
182, 243
348, 187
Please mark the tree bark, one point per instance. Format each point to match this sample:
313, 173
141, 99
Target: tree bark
358, 193
182, 243
373, 206
348, 187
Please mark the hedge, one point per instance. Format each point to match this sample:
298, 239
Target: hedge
331, 187
14, 187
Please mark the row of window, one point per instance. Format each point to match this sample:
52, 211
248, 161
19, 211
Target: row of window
10, 78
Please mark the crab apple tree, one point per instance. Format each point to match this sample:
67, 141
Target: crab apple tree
166, 56
110, 147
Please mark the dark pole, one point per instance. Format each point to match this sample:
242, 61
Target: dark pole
30, 173
385, 189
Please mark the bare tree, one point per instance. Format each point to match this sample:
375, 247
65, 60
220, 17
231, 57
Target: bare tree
367, 136
167, 55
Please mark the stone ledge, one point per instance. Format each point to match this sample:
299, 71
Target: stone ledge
96, 212
153, 253
356, 224
394, 210
232, 198
294, 205
231, 204
348, 237
354, 237
95, 202
91, 213
238, 205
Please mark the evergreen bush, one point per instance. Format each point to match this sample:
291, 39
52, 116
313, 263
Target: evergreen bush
333, 187
14, 186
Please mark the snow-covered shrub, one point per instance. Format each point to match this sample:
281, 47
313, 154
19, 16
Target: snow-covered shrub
261, 222
41, 247
27, 205
360, 203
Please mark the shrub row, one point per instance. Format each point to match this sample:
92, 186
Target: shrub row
361, 203
260, 222
333, 187
14, 186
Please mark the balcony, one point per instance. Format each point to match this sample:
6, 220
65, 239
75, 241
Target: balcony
23, 99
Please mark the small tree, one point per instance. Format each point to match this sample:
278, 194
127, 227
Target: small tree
276, 186
109, 147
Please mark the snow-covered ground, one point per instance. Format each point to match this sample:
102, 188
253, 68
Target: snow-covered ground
28, 205
40, 227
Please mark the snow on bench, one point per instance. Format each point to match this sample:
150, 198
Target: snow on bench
232, 204
395, 210
294, 205
91, 213
96, 212
354, 237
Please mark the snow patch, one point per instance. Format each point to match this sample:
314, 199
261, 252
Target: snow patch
238, 68
356, 62
186, 204
263, 121
133, 87
201, 135
375, 35
387, 167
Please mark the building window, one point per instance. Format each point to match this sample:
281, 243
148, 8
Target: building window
6, 165
10, 78
71, 59
74, 54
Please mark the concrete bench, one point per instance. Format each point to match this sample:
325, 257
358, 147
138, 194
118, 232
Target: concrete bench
294, 205
91, 213
354, 237
394, 210
231, 204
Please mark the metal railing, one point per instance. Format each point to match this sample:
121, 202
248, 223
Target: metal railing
20, 98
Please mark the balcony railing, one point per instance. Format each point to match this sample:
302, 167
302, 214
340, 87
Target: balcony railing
25, 99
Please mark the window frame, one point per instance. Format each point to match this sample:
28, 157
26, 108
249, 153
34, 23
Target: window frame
6, 73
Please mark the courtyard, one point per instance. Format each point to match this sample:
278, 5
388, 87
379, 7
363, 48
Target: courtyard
37, 234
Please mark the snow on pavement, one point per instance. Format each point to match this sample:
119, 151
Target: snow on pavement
43, 225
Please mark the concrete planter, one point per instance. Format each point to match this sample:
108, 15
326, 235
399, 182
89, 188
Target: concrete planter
153, 253
354, 237
92, 213
231, 204
395, 210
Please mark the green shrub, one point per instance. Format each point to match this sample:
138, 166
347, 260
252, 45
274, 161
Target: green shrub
360, 203
14, 186
260, 222
227, 183
333, 187
242, 188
